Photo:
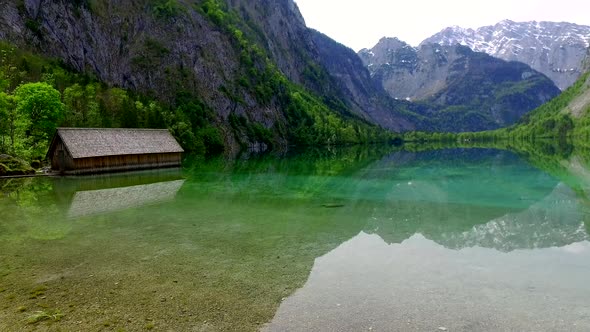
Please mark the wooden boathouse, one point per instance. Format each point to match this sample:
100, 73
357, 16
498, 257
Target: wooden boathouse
85, 150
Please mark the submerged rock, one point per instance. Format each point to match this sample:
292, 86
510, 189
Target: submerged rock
332, 205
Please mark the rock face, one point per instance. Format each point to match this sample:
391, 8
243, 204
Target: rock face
123, 44
126, 44
457, 89
397, 67
181, 48
354, 81
554, 49
586, 63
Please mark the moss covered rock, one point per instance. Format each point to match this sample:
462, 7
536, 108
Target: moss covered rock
3, 170
14, 166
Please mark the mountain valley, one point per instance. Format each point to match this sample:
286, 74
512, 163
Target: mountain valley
456, 88
230, 75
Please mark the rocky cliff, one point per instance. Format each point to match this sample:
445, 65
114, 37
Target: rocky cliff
586, 63
355, 83
556, 49
224, 53
457, 89
265, 75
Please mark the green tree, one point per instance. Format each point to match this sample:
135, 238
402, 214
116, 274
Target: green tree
82, 107
12, 124
4, 122
41, 105
113, 102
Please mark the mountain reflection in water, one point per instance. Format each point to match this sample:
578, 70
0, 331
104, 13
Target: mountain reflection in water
418, 285
388, 239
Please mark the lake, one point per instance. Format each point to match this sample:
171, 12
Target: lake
356, 239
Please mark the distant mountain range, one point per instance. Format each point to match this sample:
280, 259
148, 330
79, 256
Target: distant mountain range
456, 89
555, 49
255, 75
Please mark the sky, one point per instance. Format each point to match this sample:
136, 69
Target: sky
360, 24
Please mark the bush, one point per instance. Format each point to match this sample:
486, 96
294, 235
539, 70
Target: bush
167, 9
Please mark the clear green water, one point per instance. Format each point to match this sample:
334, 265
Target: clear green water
351, 240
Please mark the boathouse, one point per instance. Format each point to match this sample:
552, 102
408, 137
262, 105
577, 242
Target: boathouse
84, 150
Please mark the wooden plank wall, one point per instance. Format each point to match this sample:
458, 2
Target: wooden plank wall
56, 159
124, 163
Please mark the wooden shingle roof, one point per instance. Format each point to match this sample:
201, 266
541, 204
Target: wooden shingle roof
87, 142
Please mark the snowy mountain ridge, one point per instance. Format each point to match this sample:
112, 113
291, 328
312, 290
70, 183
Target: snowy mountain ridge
557, 49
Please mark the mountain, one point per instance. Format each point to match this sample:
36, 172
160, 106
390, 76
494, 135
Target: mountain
557, 122
586, 62
354, 81
454, 88
253, 64
556, 49
308, 57
565, 116
246, 74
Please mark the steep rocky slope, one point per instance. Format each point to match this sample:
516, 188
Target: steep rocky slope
232, 55
556, 49
354, 81
565, 117
457, 89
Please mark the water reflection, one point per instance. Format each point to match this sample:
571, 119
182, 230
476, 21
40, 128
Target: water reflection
220, 245
443, 249
555, 221
465, 198
46, 208
136, 193
418, 285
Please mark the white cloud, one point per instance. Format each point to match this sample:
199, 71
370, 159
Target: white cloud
360, 24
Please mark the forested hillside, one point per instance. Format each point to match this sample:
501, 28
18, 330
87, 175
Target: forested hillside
213, 72
222, 75
565, 118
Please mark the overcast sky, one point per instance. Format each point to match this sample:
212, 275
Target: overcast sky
360, 24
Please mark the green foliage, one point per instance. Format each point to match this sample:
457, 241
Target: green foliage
254, 132
42, 105
34, 26
214, 10
6, 121
312, 123
14, 166
83, 108
167, 9
314, 73
310, 120
38, 110
39, 316
211, 139
151, 54
552, 120
78, 100
30, 112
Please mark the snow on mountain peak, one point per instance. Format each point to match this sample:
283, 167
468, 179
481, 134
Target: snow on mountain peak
546, 46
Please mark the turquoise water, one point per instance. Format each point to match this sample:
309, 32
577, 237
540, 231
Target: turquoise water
343, 240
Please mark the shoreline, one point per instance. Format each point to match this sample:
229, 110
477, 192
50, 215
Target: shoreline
26, 176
